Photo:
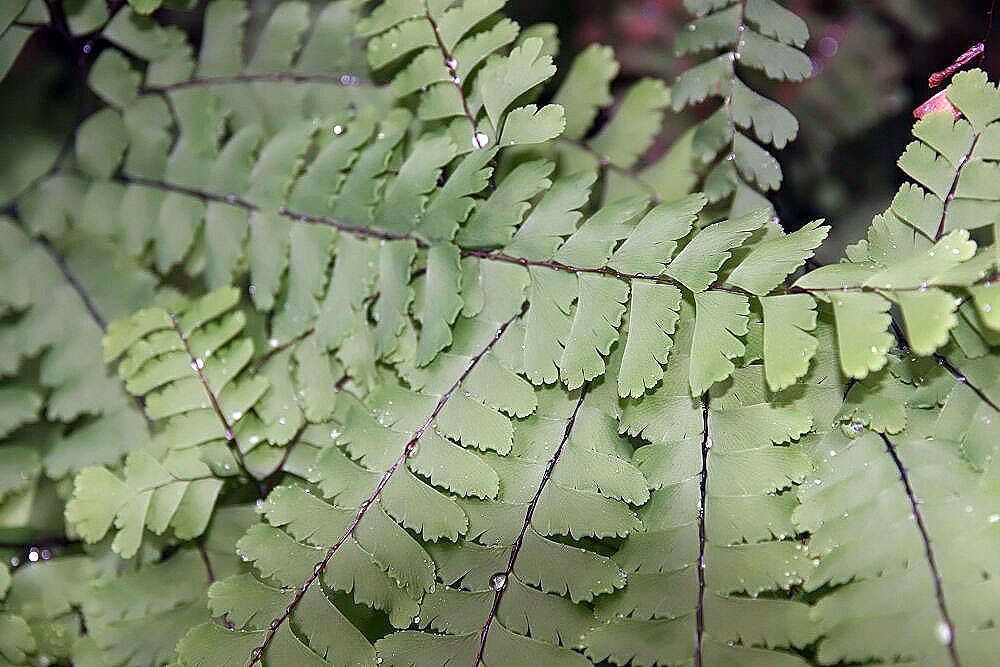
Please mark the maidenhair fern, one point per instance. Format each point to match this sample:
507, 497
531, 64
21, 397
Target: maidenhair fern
370, 344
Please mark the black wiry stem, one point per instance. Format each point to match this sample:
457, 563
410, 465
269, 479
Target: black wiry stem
699, 614
43, 542
498, 256
954, 186
227, 430
345, 80
278, 349
60, 261
605, 163
209, 572
257, 655
962, 378
501, 580
88, 303
928, 551
450, 64
946, 363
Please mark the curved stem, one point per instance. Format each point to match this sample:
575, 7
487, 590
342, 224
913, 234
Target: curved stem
928, 550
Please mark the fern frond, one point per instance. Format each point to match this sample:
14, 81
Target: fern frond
911, 513
61, 407
505, 592
355, 541
137, 617
707, 578
919, 255
760, 35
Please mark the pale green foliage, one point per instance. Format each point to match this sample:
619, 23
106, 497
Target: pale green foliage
505, 390
756, 34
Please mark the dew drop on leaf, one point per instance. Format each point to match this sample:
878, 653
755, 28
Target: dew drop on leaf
943, 632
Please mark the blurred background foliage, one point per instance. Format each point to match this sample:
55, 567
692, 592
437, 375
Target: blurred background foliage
871, 60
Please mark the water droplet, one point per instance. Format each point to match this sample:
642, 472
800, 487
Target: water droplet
480, 140
499, 581
943, 632
968, 509
282, 421
236, 416
450, 63
994, 518
338, 129
33, 554
198, 364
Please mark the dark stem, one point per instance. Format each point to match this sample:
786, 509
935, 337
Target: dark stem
209, 572
347, 80
962, 378
257, 655
954, 185
450, 64
278, 349
234, 448
699, 614
268, 481
928, 551
734, 56
500, 581
88, 303
945, 363
494, 255
60, 261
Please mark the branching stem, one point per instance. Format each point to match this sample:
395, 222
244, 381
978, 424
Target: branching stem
257, 655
